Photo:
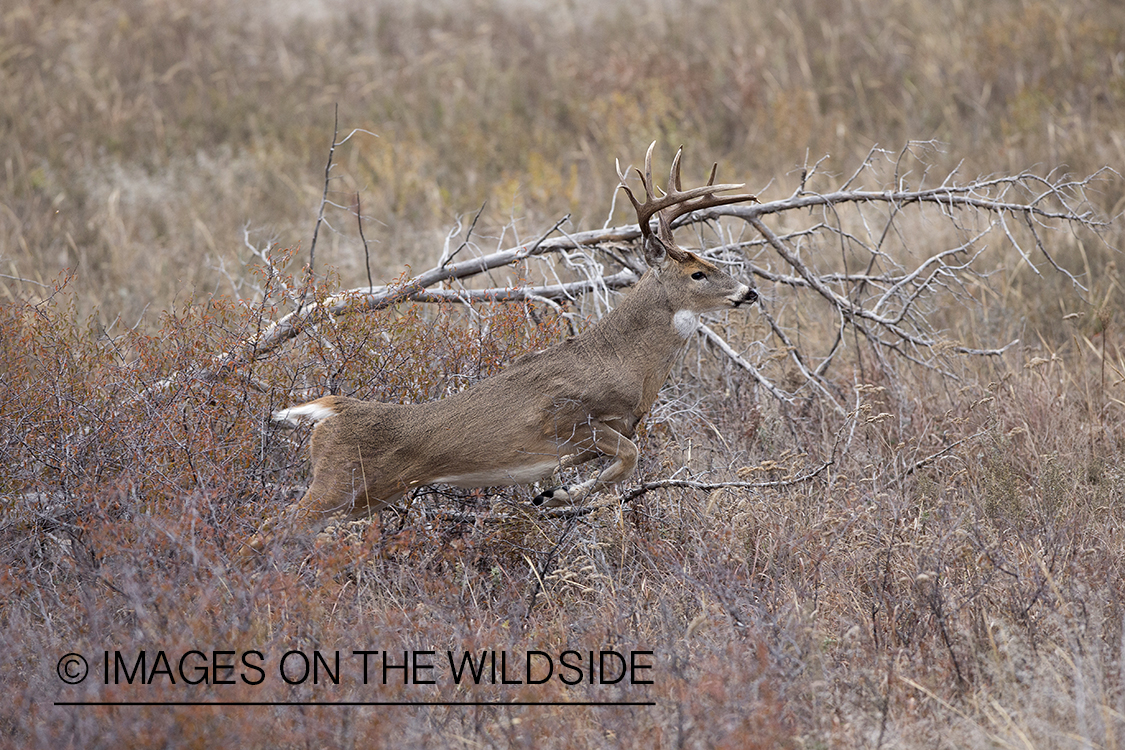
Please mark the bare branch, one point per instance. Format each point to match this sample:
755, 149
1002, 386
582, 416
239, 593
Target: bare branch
327, 179
709, 486
366, 251
465, 243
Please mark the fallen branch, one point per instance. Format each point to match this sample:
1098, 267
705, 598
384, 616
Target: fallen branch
709, 486
888, 304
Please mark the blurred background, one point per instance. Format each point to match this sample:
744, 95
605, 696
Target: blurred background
142, 142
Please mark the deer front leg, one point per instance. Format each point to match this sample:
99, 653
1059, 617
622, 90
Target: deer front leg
603, 440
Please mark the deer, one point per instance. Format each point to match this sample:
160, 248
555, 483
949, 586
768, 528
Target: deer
576, 401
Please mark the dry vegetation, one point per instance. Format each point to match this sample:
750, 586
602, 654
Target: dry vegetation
935, 553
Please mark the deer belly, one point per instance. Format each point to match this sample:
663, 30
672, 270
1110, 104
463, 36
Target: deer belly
500, 476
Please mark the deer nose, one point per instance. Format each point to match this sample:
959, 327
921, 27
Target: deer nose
745, 294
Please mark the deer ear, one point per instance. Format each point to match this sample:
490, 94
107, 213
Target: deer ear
660, 249
661, 254
656, 253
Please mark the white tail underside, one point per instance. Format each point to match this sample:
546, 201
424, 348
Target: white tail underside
311, 411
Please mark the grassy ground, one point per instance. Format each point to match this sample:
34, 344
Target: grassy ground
976, 600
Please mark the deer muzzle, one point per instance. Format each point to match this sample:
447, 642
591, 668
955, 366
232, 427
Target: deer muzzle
744, 294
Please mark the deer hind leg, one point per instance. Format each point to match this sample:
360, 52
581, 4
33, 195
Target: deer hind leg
605, 441
345, 494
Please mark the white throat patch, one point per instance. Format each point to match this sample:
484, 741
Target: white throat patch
686, 322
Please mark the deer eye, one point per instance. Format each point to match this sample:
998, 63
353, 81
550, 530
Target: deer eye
699, 276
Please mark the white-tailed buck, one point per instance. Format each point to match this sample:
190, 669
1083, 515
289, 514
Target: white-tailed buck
578, 400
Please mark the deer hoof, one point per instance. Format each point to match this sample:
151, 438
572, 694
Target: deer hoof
552, 498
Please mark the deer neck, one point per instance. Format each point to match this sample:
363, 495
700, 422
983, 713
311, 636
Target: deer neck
645, 326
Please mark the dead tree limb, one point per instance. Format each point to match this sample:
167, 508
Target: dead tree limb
869, 270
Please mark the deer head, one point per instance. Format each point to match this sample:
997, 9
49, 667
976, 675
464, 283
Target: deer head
690, 284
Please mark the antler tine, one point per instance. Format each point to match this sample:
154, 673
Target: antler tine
674, 174
617, 166
625, 186
646, 178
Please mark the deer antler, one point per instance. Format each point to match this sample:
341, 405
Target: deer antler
675, 201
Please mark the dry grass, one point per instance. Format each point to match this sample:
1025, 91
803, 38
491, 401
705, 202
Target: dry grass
953, 579
141, 137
